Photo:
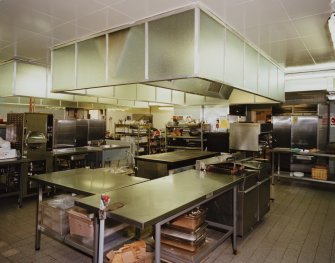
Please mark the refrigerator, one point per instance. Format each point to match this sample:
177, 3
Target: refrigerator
304, 132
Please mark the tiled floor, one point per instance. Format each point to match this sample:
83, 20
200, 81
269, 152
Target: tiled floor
300, 227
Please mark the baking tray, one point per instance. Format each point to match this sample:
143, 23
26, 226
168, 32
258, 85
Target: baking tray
182, 233
182, 244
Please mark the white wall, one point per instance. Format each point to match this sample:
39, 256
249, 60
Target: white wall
195, 112
212, 113
160, 117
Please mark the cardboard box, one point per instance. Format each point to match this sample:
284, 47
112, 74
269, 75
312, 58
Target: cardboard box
81, 222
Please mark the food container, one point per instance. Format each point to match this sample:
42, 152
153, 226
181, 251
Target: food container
191, 220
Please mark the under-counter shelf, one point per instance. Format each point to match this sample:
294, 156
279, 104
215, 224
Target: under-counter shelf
112, 240
306, 177
214, 239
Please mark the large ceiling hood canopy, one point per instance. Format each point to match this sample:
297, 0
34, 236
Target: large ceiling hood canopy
188, 50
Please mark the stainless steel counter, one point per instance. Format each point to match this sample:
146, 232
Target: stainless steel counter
87, 181
158, 165
176, 156
75, 150
158, 201
94, 156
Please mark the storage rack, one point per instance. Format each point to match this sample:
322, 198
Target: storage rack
186, 136
139, 133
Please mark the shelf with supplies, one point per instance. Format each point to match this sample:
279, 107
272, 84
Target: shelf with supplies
139, 134
186, 136
319, 172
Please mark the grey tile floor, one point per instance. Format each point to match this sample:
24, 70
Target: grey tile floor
300, 227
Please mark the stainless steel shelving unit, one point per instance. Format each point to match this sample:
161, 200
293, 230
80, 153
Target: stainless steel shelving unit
185, 136
140, 133
288, 175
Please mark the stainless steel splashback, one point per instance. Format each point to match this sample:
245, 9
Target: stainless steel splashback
244, 136
64, 133
96, 130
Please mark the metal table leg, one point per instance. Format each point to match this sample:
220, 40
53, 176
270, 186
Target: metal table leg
273, 169
96, 239
234, 220
38, 219
100, 238
158, 243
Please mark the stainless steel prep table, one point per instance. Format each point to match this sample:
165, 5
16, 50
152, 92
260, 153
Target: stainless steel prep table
95, 156
158, 201
22, 165
157, 165
282, 174
80, 181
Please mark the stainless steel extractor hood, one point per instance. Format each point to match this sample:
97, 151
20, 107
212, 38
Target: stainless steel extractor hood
188, 50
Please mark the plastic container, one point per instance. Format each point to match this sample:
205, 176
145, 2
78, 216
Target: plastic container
54, 218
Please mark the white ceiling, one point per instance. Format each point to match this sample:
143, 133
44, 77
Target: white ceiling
291, 32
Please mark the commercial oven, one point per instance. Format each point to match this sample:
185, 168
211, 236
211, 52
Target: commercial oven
32, 135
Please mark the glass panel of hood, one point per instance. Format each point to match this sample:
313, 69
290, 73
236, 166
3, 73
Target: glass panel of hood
234, 60
281, 85
91, 62
63, 68
146, 92
31, 80
263, 76
273, 81
211, 48
6, 79
171, 46
250, 68
126, 55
